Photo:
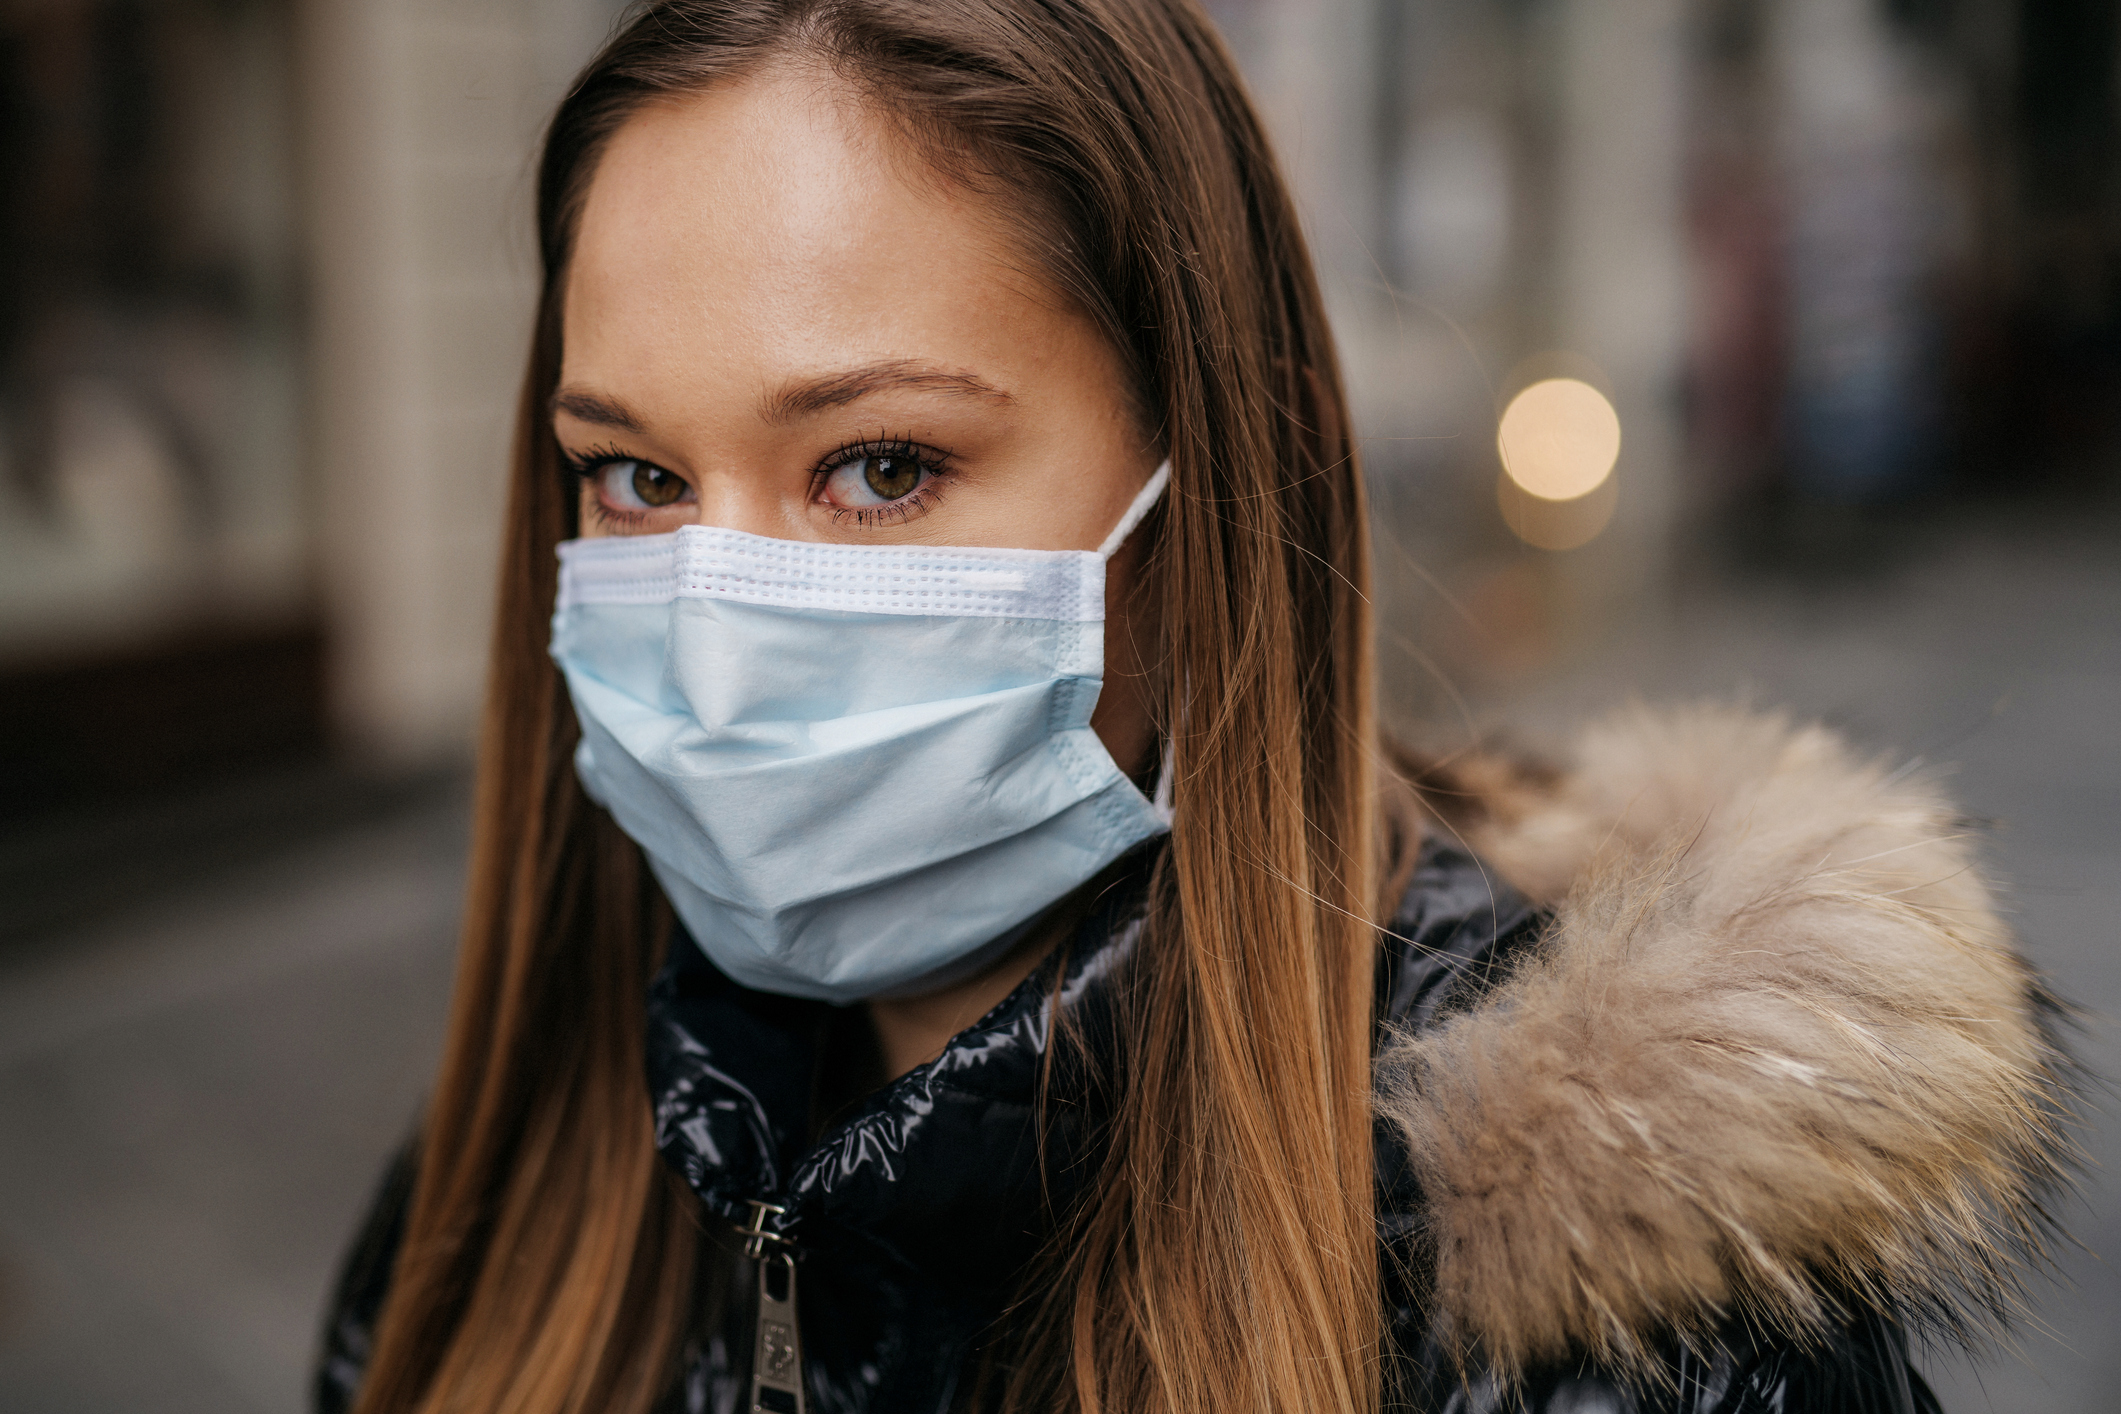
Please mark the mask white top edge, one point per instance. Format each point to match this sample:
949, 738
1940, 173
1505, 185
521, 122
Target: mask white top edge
709, 562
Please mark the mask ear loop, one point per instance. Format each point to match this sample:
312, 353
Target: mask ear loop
1164, 802
1144, 501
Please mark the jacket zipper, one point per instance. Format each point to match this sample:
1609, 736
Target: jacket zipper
777, 1334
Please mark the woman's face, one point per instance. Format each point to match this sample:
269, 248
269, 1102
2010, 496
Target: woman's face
779, 320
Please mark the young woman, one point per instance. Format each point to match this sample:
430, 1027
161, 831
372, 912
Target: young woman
944, 932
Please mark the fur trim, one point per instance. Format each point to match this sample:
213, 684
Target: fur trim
1776, 1051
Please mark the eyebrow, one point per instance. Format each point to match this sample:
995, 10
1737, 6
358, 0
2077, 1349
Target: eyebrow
597, 408
803, 396
833, 390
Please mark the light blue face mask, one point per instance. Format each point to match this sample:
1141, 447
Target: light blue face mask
857, 770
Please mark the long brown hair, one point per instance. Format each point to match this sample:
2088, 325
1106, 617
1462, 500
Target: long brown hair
1227, 1261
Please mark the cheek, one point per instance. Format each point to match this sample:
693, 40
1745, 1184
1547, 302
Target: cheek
1125, 716
1132, 614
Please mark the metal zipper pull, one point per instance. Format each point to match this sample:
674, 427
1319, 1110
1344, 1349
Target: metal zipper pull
777, 1336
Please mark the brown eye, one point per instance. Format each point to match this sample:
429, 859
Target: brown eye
890, 477
628, 485
877, 476
655, 486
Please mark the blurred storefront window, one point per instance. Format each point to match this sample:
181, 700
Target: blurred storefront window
154, 520
1906, 252
265, 272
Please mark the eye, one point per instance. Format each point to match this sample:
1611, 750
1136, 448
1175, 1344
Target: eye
877, 477
625, 484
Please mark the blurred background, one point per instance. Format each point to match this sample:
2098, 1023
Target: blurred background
1767, 348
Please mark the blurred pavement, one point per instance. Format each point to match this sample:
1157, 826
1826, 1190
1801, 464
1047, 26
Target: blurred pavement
196, 1097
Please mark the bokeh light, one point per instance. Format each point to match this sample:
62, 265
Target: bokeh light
1546, 524
1559, 439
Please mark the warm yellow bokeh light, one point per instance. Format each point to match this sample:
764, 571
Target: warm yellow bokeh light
1559, 439
1557, 525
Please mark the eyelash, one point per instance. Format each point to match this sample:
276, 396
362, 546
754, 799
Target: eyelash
918, 502
586, 467
587, 464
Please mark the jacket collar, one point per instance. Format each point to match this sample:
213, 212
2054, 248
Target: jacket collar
1777, 1054
938, 1174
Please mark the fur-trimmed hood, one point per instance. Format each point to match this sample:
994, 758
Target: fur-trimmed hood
1775, 1053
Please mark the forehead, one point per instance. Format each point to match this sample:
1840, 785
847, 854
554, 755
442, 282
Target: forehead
776, 220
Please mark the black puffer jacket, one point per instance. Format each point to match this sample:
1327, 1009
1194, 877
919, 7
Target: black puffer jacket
1561, 1220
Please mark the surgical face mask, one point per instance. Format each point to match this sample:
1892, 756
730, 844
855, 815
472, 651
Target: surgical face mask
856, 770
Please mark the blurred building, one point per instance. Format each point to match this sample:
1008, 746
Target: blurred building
1833, 263
154, 498
265, 282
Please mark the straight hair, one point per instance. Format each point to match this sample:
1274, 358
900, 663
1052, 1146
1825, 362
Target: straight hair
1226, 1260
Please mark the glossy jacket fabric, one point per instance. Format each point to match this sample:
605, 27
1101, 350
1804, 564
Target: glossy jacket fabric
916, 1210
